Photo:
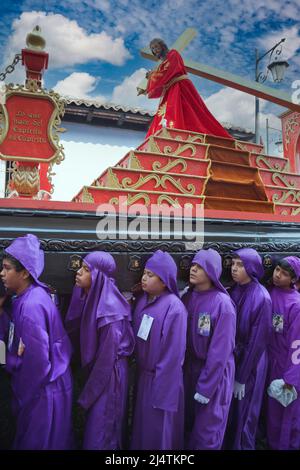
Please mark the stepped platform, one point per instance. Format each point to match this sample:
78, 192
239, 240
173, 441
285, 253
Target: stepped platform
179, 168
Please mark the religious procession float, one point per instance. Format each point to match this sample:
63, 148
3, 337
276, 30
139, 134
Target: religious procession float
179, 189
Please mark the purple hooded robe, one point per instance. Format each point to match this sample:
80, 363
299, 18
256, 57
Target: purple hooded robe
209, 363
159, 408
40, 378
283, 424
106, 340
254, 310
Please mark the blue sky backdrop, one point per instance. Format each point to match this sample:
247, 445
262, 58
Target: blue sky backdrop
94, 46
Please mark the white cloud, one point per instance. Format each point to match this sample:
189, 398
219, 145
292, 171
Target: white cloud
79, 85
238, 108
232, 106
126, 92
67, 42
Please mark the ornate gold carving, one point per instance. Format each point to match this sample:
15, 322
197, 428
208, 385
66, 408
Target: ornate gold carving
128, 184
286, 194
157, 166
54, 123
164, 133
152, 146
240, 146
262, 159
290, 126
112, 180
293, 212
98, 183
190, 189
51, 173
162, 110
165, 198
296, 211
86, 196
284, 212
193, 138
180, 149
26, 180
132, 199
283, 179
134, 163
32, 85
159, 181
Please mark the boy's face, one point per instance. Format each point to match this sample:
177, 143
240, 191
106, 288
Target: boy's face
83, 277
151, 283
13, 280
282, 278
198, 276
238, 272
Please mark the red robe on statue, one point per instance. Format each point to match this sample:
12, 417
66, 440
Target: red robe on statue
181, 106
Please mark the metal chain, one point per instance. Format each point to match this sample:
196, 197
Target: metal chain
10, 68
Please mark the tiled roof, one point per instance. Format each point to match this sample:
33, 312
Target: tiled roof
139, 111
108, 106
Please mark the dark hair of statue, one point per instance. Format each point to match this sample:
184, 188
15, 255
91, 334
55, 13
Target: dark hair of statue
160, 41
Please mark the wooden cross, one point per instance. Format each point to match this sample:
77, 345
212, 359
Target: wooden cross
224, 78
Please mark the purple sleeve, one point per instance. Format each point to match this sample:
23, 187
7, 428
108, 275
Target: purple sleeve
220, 348
168, 372
103, 367
13, 362
291, 374
35, 367
258, 341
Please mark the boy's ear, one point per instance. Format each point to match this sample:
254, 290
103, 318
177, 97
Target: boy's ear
25, 274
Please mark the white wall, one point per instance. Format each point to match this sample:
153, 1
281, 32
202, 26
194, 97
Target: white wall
89, 150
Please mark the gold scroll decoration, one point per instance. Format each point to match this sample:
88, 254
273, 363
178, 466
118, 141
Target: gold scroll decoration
180, 149
157, 166
286, 194
159, 181
132, 199
260, 159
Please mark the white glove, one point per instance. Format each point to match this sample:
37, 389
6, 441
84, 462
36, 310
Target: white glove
277, 391
2, 352
238, 390
201, 399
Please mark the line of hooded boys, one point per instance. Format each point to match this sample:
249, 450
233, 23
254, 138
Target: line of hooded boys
206, 364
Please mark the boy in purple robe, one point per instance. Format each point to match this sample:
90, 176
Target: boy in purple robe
103, 316
209, 363
283, 422
38, 352
160, 327
254, 310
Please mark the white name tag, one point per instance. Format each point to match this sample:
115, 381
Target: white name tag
278, 322
2, 353
204, 324
10, 335
145, 327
